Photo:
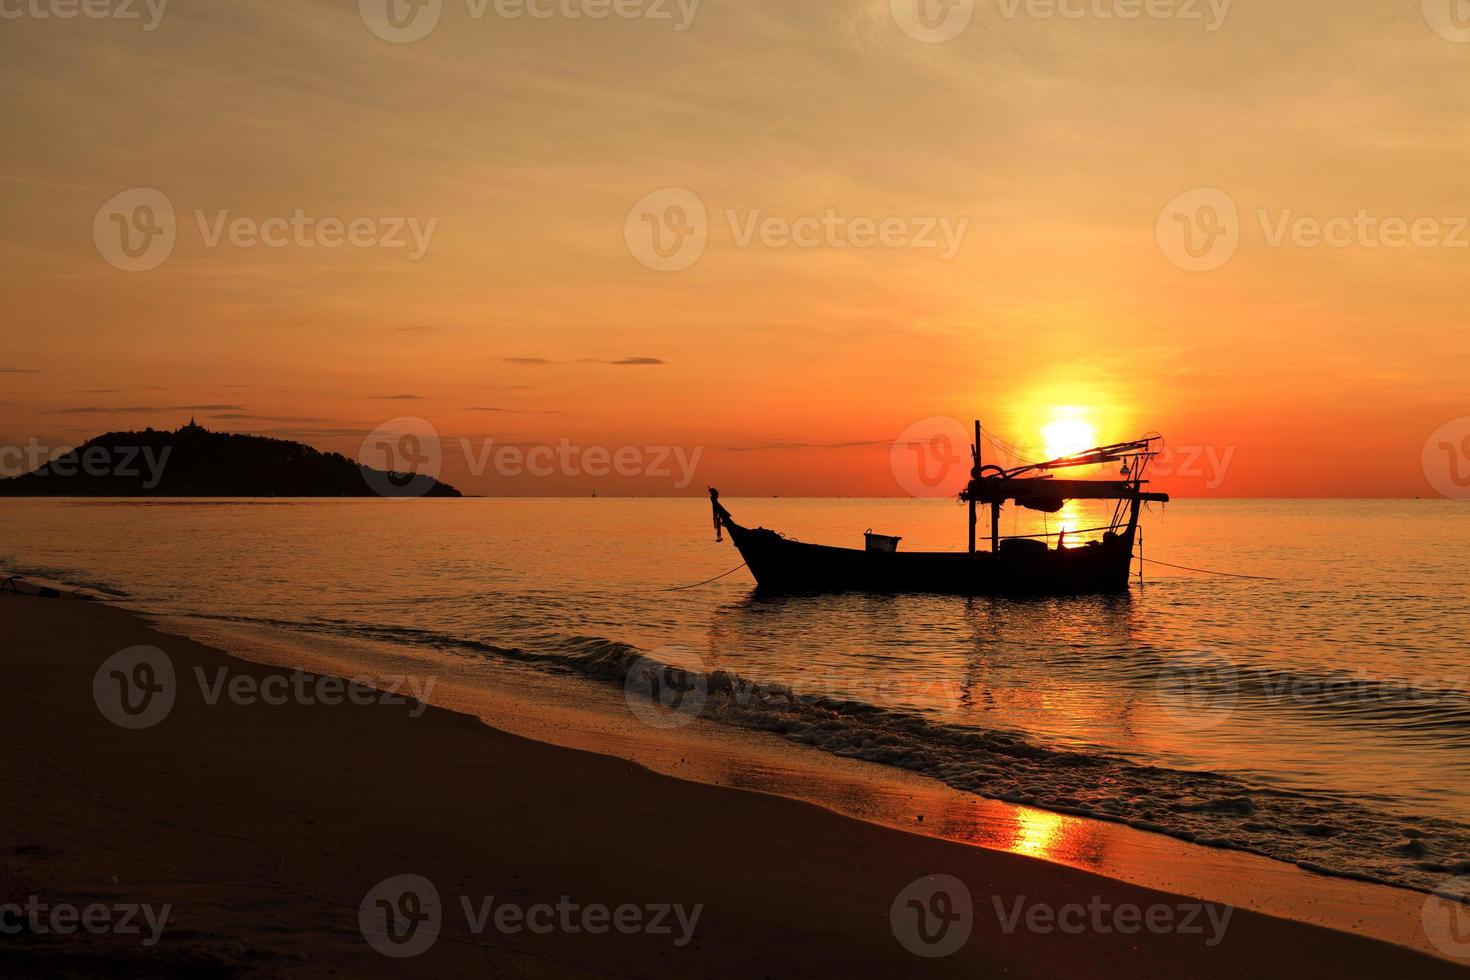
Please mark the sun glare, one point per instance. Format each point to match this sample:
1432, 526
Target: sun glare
1068, 433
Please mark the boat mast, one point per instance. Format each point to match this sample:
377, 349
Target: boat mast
974, 475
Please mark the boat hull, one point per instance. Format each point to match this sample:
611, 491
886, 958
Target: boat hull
783, 566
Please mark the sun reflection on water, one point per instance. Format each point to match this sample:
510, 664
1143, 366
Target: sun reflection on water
1038, 833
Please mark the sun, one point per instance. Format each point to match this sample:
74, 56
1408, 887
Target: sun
1068, 433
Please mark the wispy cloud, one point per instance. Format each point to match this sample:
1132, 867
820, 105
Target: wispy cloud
247, 417
807, 446
18, 371
622, 362
398, 398
511, 411
141, 409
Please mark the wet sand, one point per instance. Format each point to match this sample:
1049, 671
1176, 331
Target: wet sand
264, 827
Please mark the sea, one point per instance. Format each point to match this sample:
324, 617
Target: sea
1285, 677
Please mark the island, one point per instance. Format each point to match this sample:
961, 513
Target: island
193, 462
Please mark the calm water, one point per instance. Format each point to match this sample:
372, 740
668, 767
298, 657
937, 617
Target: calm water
1321, 717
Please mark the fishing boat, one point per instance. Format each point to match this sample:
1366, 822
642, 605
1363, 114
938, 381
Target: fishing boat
1013, 565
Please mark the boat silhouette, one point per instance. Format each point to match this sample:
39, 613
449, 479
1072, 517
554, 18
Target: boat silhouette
1015, 565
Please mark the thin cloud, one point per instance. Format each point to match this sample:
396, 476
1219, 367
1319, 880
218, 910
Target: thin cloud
510, 411
18, 371
398, 398
622, 362
805, 446
141, 409
416, 330
292, 419
317, 433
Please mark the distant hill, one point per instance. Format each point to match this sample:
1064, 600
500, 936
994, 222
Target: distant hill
194, 462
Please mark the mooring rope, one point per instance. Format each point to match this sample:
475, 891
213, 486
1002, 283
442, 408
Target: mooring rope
686, 588
1206, 571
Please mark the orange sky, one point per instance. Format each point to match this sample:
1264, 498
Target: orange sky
519, 147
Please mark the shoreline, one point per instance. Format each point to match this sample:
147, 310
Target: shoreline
447, 794
588, 714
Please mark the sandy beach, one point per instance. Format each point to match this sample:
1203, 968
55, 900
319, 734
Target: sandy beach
245, 831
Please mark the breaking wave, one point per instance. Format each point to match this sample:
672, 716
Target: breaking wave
1316, 830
